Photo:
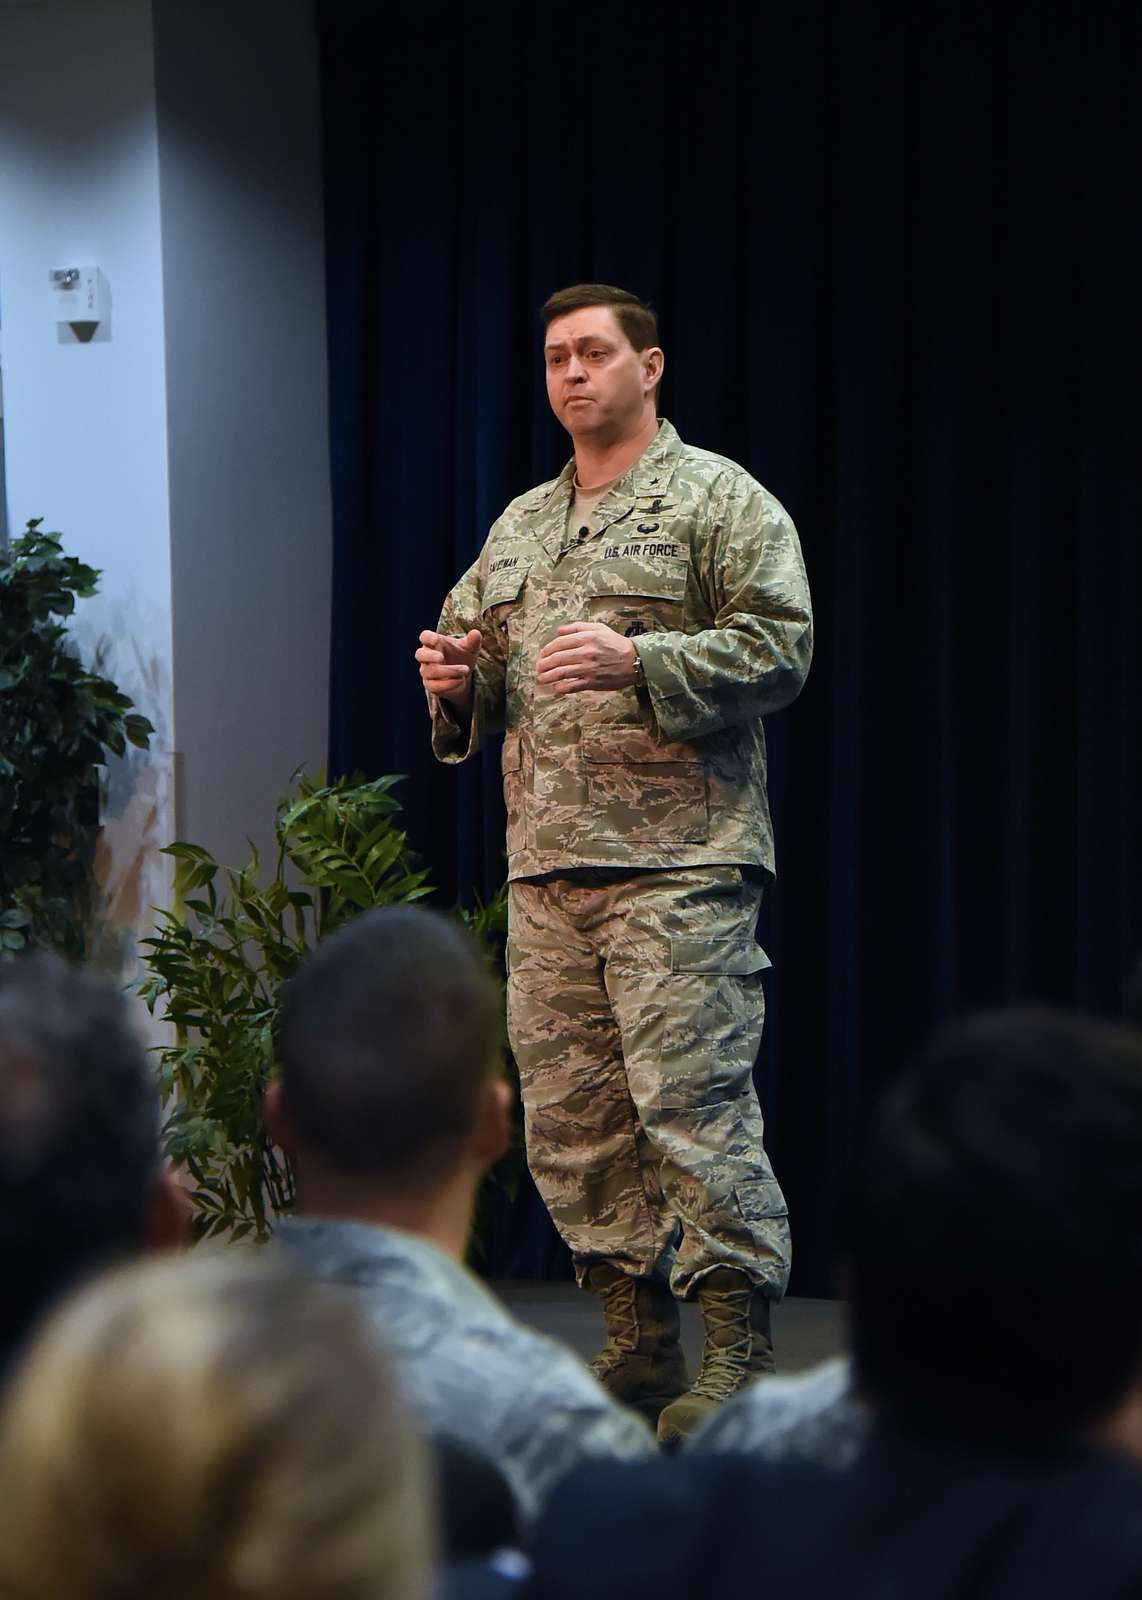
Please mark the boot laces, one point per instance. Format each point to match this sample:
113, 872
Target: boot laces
728, 1347
621, 1313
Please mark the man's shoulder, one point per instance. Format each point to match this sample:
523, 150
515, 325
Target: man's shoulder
536, 1386
702, 464
813, 1416
523, 508
472, 1369
708, 469
490, 1337
719, 480
384, 1262
426, 1301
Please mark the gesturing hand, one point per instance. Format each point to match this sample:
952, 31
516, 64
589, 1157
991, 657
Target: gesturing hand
447, 662
586, 655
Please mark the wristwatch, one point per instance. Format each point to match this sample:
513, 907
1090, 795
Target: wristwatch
639, 670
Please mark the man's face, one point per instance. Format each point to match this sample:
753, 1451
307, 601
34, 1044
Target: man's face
599, 386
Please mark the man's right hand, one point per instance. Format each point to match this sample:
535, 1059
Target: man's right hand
447, 662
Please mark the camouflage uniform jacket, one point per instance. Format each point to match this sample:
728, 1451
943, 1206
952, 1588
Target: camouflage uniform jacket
701, 566
464, 1366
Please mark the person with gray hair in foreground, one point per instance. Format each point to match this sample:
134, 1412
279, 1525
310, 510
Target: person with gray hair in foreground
392, 1103
82, 1183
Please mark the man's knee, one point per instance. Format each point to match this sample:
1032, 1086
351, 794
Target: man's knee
689, 1038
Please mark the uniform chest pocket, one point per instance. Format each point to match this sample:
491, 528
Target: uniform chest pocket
638, 592
646, 571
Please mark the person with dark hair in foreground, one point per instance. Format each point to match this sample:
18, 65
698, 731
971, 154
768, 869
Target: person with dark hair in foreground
628, 625
392, 1103
81, 1181
996, 1258
819, 1415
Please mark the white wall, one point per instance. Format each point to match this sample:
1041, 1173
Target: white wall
86, 424
185, 450
251, 535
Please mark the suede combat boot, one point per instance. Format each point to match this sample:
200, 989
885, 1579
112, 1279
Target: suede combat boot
738, 1349
641, 1364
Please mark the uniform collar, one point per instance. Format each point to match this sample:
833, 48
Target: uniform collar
642, 485
654, 468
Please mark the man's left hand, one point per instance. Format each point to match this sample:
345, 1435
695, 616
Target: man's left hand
586, 655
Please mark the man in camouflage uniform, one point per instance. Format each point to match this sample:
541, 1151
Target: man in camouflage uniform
627, 626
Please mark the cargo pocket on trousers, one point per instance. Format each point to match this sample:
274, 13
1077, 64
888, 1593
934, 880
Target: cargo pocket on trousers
760, 1200
757, 1220
714, 1013
512, 765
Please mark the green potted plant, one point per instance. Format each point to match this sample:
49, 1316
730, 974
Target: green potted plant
59, 722
216, 965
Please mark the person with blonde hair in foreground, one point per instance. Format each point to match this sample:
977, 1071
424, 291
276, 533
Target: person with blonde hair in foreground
215, 1426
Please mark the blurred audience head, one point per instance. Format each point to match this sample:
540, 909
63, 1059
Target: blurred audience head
209, 1426
389, 1047
80, 1178
997, 1234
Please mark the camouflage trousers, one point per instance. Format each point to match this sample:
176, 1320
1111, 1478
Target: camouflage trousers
635, 1010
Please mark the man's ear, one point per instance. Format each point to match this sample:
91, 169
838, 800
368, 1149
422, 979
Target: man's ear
276, 1117
653, 364
492, 1131
170, 1212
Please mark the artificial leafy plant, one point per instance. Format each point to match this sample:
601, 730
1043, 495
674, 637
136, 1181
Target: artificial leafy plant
217, 963
216, 966
59, 721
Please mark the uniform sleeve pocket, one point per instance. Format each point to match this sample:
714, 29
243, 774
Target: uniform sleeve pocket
759, 1200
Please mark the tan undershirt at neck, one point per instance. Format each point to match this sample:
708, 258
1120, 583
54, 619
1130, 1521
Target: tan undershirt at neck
584, 502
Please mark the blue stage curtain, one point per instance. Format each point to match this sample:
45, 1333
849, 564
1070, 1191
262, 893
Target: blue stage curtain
896, 259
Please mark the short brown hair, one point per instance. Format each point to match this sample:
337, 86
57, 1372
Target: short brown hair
387, 1034
637, 320
634, 316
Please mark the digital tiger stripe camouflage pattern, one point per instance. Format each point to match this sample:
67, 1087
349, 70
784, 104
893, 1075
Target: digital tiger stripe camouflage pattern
635, 1003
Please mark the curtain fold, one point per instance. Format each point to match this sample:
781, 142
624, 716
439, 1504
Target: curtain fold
896, 262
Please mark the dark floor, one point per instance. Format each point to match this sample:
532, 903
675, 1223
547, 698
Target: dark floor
804, 1331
